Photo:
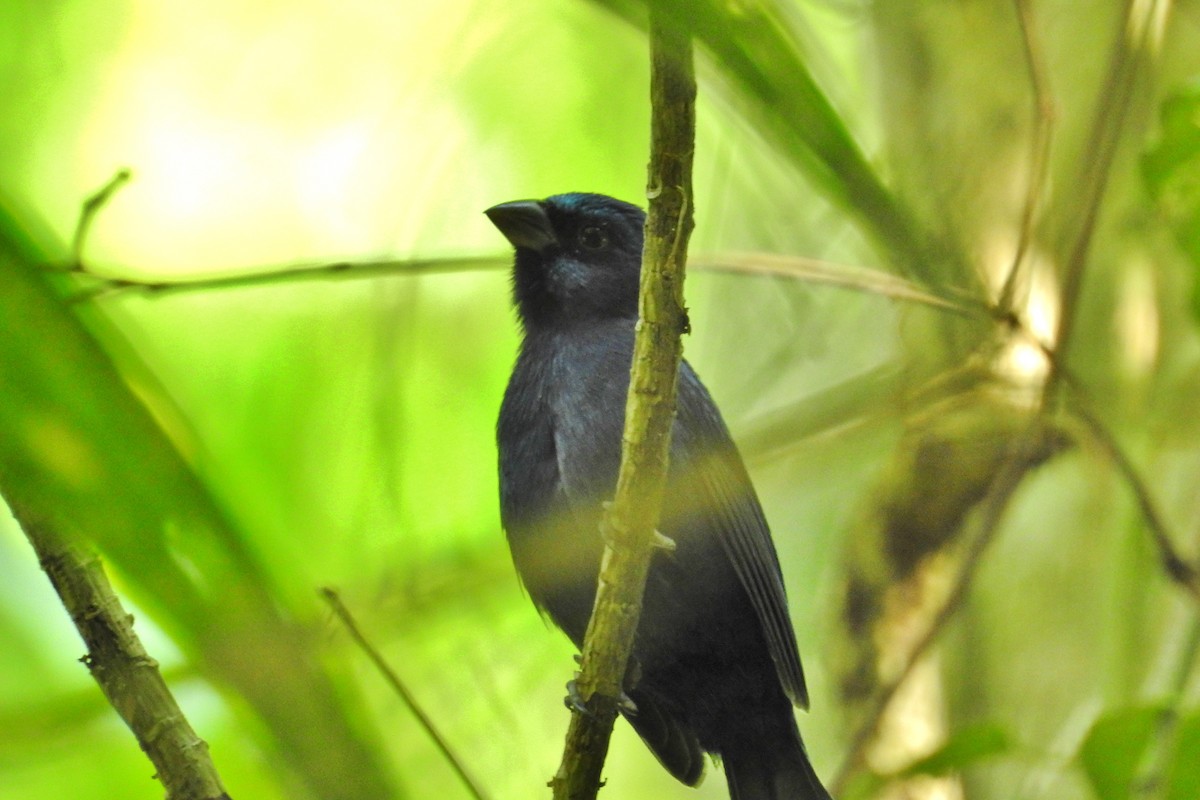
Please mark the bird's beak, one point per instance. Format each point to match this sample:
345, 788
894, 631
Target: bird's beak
524, 223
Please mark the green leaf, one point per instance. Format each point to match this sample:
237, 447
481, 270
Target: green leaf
1183, 776
967, 746
1171, 172
1115, 747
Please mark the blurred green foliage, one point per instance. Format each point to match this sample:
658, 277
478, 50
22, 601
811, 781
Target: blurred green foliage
1170, 168
339, 430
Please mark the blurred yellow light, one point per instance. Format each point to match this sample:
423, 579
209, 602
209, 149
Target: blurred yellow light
1137, 318
1023, 358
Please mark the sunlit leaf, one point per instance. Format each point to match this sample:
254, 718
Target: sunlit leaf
1114, 748
966, 747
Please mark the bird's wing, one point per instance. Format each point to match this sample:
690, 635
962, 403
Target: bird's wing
704, 462
713, 474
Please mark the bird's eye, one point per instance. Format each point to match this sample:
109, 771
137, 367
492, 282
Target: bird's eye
593, 238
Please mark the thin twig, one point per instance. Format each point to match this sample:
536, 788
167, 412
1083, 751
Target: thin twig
807, 270
1174, 564
424, 720
1004, 484
105, 285
91, 207
1135, 41
846, 276
1043, 125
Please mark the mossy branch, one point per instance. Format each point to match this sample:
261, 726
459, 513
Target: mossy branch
629, 522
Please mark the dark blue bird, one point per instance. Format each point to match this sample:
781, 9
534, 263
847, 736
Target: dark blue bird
715, 665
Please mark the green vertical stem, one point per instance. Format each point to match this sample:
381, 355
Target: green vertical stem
630, 520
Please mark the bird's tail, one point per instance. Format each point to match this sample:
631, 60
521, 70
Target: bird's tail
771, 767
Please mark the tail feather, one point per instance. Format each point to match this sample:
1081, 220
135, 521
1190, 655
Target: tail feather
671, 741
775, 768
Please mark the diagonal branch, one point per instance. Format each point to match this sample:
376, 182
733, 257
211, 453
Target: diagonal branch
125, 672
424, 720
91, 207
1178, 569
1136, 43
861, 279
1030, 449
1043, 125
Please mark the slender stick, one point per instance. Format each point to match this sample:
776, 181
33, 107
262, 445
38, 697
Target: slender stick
91, 207
1043, 126
1178, 569
103, 286
629, 522
807, 270
424, 720
1136, 42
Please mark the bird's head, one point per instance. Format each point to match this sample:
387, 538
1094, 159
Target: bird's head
578, 257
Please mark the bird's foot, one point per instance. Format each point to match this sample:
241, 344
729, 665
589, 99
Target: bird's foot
664, 543
660, 541
575, 701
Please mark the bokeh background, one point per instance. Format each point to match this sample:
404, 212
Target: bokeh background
341, 425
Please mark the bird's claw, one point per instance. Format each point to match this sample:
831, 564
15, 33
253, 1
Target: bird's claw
660, 541
575, 702
664, 543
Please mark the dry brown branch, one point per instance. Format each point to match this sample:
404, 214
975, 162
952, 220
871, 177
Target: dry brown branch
125, 672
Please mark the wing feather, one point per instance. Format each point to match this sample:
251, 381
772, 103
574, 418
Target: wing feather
719, 479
